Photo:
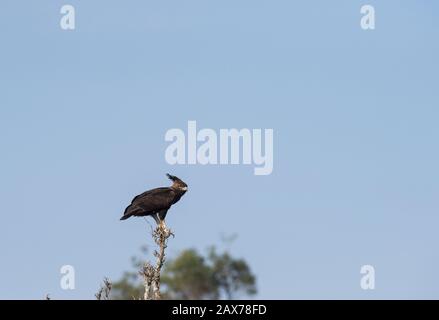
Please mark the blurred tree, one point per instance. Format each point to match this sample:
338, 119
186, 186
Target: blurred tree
193, 276
231, 276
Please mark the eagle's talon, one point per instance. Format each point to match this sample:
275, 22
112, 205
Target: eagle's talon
164, 229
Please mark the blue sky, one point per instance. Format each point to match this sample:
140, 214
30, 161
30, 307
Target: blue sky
83, 115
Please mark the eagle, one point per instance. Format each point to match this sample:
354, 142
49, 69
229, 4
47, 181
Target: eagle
156, 202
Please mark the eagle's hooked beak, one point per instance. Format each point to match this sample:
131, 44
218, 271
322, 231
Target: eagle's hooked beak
184, 188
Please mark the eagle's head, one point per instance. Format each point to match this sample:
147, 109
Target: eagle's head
178, 183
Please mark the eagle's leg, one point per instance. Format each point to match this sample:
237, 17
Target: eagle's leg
155, 217
161, 215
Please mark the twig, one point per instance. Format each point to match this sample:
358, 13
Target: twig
147, 273
104, 290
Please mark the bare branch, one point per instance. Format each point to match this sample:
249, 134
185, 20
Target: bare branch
151, 274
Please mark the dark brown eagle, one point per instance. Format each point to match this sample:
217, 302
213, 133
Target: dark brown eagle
156, 202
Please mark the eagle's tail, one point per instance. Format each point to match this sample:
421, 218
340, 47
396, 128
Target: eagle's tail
126, 216
129, 211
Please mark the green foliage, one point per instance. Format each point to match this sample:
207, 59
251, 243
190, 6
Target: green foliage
193, 276
128, 287
231, 276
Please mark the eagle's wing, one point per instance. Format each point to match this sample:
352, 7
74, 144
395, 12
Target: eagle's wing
151, 201
146, 193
